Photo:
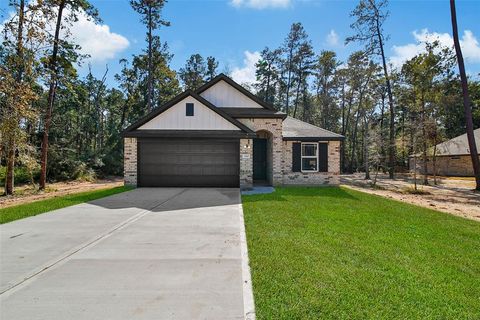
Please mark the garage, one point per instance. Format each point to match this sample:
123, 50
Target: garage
181, 162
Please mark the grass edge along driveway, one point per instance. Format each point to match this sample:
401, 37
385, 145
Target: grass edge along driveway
34, 208
336, 253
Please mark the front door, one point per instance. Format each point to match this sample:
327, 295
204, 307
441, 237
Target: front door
260, 159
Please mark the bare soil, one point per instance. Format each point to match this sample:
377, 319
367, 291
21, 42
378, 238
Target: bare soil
29, 193
454, 195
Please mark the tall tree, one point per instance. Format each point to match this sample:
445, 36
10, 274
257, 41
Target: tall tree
370, 16
18, 66
324, 85
194, 73
151, 15
421, 74
60, 59
304, 62
467, 103
292, 44
134, 82
212, 65
266, 73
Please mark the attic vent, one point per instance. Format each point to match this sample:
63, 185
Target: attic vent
189, 110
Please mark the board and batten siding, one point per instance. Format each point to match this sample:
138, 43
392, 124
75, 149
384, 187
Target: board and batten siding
224, 95
175, 118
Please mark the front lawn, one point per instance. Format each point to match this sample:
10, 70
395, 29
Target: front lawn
334, 253
32, 209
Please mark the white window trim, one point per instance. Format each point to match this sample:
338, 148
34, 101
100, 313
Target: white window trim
308, 157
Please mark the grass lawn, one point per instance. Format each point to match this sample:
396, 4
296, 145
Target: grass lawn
335, 253
37, 207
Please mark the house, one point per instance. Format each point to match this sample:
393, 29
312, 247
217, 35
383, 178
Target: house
452, 157
222, 135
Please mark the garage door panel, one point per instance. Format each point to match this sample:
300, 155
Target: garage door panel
188, 162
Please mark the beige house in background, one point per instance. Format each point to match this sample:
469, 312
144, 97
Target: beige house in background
453, 158
222, 135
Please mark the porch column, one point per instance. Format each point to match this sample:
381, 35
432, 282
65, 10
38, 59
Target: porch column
246, 163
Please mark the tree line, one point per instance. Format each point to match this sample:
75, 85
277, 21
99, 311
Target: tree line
56, 125
386, 114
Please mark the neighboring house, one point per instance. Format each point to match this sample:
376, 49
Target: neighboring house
452, 157
222, 135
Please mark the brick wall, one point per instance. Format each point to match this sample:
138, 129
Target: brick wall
446, 165
312, 178
246, 163
130, 161
274, 129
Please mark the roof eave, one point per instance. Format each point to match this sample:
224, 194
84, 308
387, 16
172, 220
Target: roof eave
313, 139
188, 134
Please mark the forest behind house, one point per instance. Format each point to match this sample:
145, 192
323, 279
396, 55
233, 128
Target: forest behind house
57, 126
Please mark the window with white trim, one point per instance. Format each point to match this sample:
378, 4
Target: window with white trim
309, 157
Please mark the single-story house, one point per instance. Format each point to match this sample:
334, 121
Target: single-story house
452, 157
222, 135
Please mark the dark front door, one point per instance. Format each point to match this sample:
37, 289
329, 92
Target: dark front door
188, 162
260, 159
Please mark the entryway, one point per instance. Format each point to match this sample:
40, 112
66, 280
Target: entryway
262, 159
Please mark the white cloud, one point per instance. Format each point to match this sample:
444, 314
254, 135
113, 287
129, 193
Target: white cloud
246, 74
332, 38
97, 40
468, 42
261, 4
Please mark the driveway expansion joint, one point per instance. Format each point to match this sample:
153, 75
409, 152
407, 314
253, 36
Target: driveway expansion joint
88, 244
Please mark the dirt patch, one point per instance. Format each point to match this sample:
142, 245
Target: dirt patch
454, 196
28, 193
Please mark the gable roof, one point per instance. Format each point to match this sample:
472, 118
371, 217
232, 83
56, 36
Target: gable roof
294, 129
223, 77
178, 99
457, 146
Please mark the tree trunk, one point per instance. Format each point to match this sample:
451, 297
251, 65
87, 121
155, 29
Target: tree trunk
434, 162
424, 143
289, 77
365, 150
467, 103
391, 147
150, 84
51, 98
10, 173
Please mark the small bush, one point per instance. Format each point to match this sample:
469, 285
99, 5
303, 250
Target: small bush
411, 190
21, 175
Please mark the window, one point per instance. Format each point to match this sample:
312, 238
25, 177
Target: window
189, 111
309, 157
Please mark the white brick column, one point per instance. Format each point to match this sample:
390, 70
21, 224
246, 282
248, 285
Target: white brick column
246, 163
130, 161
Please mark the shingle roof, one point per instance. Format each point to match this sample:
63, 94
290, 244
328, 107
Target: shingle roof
294, 129
458, 145
253, 113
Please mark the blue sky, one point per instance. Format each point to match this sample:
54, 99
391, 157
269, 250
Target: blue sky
234, 31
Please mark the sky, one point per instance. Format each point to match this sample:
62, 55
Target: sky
235, 31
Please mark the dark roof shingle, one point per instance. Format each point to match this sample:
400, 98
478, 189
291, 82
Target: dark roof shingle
294, 129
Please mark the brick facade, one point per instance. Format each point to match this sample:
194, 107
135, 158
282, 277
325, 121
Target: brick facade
279, 158
246, 163
332, 177
460, 166
273, 130
130, 161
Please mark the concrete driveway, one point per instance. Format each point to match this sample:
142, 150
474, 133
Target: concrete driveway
151, 253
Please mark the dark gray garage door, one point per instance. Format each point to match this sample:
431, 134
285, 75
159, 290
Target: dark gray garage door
188, 163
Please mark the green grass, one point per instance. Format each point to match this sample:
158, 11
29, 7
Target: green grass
335, 253
37, 207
